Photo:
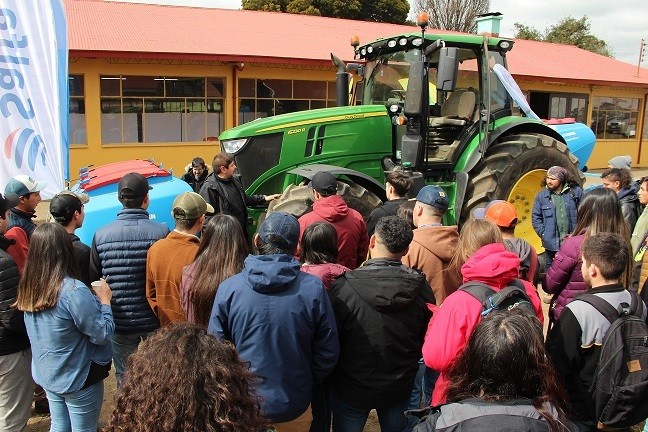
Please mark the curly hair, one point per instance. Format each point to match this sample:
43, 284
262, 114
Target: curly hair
182, 379
505, 359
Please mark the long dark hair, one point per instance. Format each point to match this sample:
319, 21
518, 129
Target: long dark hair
183, 379
319, 244
49, 260
221, 253
505, 359
599, 212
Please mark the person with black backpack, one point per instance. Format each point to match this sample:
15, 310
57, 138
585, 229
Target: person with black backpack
490, 275
599, 344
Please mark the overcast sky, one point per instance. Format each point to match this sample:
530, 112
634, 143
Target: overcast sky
621, 23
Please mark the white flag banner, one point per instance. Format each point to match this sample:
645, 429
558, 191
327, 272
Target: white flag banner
34, 100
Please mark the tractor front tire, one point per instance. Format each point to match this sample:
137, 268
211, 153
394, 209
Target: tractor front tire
513, 170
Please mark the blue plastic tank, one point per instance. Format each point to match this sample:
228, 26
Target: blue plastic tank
579, 138
100, 183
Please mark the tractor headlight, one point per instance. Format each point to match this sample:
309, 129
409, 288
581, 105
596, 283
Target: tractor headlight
232, 146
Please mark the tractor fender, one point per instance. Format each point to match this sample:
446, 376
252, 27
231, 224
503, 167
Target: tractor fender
516, 126
361, 179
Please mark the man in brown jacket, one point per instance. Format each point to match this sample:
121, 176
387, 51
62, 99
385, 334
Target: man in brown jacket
434, 244
167, 257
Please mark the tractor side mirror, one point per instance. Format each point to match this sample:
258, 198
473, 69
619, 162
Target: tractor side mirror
414, 96
448, 69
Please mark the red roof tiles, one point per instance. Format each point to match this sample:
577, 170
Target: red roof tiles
113, 29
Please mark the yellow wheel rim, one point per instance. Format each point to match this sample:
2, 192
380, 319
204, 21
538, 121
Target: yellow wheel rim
522, 196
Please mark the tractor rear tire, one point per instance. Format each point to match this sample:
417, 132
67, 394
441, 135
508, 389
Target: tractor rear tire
298, 199
512, 170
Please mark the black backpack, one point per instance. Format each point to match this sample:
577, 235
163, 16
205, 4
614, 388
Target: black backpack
512, 296
619, 390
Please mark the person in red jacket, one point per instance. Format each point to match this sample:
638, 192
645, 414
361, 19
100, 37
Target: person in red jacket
487, 261
353, 241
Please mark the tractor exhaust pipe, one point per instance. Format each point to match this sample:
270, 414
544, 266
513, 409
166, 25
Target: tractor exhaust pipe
342, 81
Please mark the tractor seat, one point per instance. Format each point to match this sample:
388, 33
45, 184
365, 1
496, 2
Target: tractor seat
457, 110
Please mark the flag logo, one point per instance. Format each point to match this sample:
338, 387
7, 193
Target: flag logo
25, 145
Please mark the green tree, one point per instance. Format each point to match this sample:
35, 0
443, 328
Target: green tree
568, 31
394, 11
453, 14
525, 32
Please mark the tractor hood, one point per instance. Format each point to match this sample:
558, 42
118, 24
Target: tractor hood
295, 122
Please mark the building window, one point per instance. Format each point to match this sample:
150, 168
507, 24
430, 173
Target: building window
265, 97
615, 118
146, 109
559, 105
78, 131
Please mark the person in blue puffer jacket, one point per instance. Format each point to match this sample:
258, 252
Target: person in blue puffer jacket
118, 254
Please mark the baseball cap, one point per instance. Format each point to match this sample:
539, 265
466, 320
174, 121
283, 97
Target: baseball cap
190, 205
480, 213
65, 203
433, 196
281, 224
22, 185
133, 185
8, 201
503, 214
324, 182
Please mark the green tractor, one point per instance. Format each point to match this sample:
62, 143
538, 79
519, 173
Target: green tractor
440, 105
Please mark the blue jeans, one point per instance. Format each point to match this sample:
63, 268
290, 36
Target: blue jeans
423, 385
349, 419
76, 412
123, 346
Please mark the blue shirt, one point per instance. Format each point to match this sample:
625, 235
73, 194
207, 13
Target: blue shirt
67, 337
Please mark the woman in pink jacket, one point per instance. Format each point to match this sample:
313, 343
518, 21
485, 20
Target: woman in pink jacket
487, 261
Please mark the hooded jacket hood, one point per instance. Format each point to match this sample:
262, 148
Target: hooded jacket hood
270, 273
493, 265
332, 208
438, 240
523, 250
383, 289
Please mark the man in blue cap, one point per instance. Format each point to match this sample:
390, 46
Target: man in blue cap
282, 323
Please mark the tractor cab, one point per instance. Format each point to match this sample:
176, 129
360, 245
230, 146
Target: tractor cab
437, 90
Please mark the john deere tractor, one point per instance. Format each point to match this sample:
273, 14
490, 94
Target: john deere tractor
434, 104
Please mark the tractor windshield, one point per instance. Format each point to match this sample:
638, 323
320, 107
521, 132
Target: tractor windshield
387, 77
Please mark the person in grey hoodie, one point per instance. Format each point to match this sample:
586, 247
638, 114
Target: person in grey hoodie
504, 215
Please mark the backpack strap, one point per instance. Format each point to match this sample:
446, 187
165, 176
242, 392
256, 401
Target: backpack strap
478, 290
609, 311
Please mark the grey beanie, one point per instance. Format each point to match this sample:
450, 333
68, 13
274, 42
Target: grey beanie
623, 162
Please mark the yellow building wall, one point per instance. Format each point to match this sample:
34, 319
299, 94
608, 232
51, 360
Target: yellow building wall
175, 155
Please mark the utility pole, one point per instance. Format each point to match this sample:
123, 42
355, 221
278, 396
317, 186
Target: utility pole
642, 53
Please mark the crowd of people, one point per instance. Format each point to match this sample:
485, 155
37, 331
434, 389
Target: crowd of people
328, 318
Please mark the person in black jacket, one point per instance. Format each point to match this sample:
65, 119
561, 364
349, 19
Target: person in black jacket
224, 192
382, 315
196, 174
16, 384
67, 209
398, 185
620, 181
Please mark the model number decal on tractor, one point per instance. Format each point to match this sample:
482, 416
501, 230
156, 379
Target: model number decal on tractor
295, 131
353, 116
